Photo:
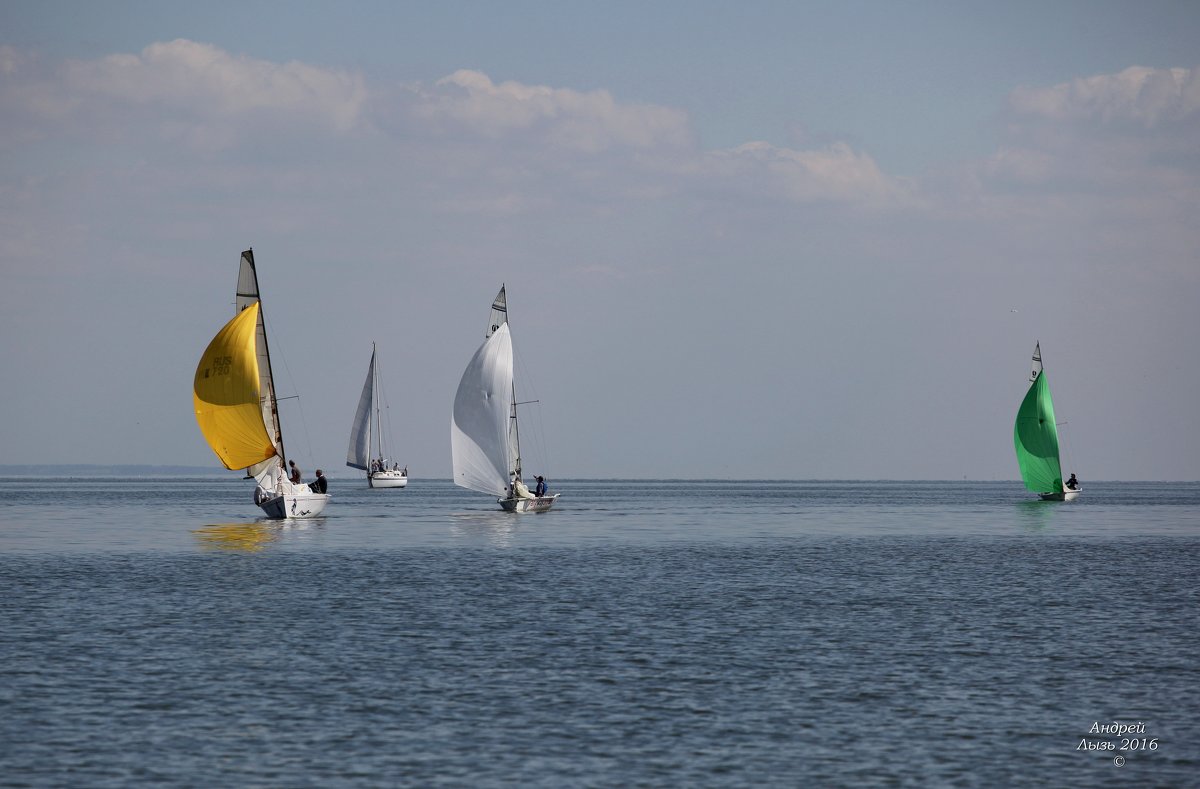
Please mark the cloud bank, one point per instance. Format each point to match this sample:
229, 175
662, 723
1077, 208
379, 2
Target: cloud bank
1143, 96
1111, 146
206, 98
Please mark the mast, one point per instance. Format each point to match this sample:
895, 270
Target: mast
246, 293
516, 431
374, 386
500, 305
377, 387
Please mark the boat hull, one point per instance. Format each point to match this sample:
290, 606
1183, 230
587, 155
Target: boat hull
1066, 495
387, 479
536, 504
295, 505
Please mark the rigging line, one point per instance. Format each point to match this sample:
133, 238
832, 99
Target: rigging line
387, 412
545, 452
291, 380
1066, 445
539, 437
307, 438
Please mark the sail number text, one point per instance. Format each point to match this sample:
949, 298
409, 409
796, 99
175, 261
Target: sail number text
220, 365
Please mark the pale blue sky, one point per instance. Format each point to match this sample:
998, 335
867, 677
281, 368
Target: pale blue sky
744, 239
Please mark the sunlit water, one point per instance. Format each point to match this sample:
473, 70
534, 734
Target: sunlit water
154, 632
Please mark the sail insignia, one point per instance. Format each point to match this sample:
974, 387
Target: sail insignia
499, 315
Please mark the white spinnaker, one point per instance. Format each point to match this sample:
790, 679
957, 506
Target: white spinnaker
479, 429
358, 455
1037, 362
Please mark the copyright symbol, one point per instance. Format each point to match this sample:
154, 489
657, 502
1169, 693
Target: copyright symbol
1119, 761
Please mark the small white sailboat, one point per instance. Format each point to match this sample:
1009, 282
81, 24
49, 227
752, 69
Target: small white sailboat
366, 437
1035, 436
485, 442
236, 409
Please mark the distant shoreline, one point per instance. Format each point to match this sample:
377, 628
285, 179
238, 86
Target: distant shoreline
133, 470
101, 470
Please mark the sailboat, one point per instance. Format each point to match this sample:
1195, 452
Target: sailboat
485, 442
1035, 436
364, 441
236, 408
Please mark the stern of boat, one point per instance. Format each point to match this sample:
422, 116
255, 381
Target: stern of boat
1065, 495
295, 505
387, 479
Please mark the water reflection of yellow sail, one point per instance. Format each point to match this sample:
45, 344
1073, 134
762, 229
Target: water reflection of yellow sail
247, 537
227, 396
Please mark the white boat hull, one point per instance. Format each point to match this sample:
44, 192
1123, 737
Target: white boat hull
295, 505
1066, 495
536, 504
387, 479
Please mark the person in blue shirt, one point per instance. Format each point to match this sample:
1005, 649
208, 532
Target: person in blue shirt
540, 490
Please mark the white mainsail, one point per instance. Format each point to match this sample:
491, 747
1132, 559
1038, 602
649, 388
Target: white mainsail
479, 426
359, 454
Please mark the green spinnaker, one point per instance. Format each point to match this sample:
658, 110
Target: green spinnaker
1036, 439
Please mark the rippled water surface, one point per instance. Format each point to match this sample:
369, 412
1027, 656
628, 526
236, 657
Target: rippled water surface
154, 632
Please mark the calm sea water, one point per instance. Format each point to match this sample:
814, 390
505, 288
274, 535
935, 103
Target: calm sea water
153, 632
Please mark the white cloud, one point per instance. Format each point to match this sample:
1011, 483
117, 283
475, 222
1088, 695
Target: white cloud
586, 122
836, 173
10, 59
1109, 136
650, 147
180, 84
513, 147
1139, 95
184, 73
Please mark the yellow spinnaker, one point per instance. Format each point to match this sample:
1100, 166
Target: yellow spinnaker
226, 395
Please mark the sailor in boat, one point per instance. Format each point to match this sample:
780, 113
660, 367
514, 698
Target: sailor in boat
518, 490
540, 489
1072, 483
295, 476
320, 485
